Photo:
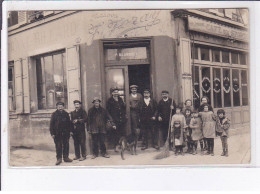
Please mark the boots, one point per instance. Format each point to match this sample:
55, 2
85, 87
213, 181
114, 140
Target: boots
226, 154
223, 153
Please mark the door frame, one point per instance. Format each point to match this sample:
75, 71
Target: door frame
126, 84
103, 66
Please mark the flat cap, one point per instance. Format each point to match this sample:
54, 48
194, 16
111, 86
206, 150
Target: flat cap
96, 99
147, 90
165, 92
113, 89
76, 101
133, 86
60, 103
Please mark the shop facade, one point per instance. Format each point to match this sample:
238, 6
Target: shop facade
82, 54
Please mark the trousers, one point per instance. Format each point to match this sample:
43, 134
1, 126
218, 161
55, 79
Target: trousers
224, 142
98, 141
62, 146
210, 142
149, 131
80, 143
164, 128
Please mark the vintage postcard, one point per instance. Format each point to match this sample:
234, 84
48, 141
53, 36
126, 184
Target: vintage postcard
129, 87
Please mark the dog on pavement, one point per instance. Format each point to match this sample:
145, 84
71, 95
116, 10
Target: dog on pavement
129, 143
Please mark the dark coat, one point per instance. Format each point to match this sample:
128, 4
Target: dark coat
60, 123
82, 117
147, 112
97, 119
117, 110
164, 109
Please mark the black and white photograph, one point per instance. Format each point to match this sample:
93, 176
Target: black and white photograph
125, 87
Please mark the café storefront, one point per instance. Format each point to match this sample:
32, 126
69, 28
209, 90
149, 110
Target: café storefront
82, 54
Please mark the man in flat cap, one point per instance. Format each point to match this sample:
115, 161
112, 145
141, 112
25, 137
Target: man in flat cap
97, 119
165, 106
134, 100
60, 129
78, 119
148, 114
117, 109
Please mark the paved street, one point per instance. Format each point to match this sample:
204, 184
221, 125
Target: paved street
239, 153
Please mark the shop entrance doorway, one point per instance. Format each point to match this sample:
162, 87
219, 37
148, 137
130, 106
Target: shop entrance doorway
123, 77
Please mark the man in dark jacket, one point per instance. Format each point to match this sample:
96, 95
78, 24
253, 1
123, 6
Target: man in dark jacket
97, 119
165, 106
79, 118
117, 109
60, 126
148, 113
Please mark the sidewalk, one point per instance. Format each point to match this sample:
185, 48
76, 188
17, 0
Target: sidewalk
239, 153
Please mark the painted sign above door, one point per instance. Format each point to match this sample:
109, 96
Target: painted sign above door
207, 27
135, 53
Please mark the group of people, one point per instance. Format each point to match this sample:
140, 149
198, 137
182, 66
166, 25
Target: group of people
192, 127
146, 115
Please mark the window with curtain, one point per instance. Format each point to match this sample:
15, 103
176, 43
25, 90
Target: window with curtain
51, 80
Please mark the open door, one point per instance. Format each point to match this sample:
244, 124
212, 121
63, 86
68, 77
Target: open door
118, 77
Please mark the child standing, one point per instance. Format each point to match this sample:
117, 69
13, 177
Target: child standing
196, 135
177, 131
222, 128
187, 134
208, 128
178, 137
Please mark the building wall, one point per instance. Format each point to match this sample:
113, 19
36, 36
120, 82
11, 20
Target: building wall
86, 29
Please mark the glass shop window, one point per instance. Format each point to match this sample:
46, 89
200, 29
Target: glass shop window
51, 80
215, 55
234, 58
242, 59
11, 98
236, 87
226, 87
194, 52
244, 87
217, 88
225, 56
196, 86
206, 85
204, 53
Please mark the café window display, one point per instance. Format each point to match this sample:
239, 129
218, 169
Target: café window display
51, 80
223, 78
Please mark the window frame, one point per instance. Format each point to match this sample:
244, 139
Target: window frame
41, 58
221, 65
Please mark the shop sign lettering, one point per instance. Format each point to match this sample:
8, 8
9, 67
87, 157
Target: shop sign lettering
207, 27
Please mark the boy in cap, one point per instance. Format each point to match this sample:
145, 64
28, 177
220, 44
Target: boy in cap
60, 126
117, 109
165, 106
79, 118
97, 119
134, 100
148, 113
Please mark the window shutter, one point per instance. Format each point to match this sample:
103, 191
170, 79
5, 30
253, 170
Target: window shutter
26, 87
18, 86
185, 52
22, 17
73, 75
